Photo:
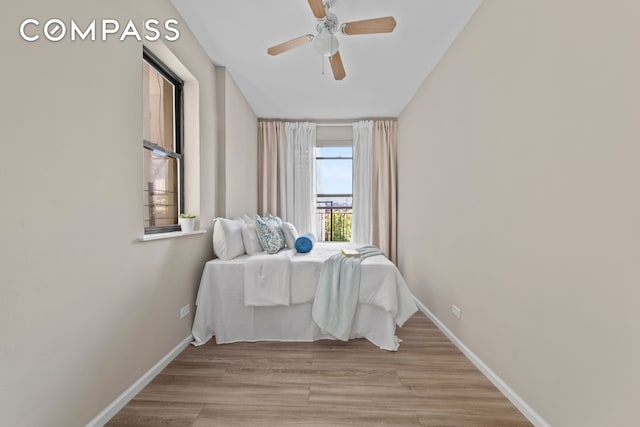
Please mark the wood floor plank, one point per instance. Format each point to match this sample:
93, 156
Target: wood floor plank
152, 414
459, 419
310, 375
377, 360
427, 382
194, 368
172, 388
235, 415
238, 354
357, 396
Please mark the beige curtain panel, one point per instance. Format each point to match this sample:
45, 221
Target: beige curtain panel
272, 168
384, 194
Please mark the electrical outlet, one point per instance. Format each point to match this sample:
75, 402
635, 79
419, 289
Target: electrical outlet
184, 311
455, 310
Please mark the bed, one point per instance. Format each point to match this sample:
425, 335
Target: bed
384, 300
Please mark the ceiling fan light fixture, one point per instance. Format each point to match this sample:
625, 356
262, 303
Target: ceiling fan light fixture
325, 43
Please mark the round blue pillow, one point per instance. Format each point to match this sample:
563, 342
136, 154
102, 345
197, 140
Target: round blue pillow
305, 243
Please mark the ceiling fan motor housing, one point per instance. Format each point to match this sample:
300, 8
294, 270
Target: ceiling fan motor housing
330, 23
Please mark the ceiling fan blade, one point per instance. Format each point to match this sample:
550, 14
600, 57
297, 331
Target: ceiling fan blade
318, 8
288, 45
337, 66
370, 26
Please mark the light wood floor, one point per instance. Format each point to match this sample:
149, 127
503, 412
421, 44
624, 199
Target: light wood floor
427, 382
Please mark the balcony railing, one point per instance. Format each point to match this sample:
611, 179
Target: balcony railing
333, 222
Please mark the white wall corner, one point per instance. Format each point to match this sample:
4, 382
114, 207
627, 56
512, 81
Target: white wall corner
535, 418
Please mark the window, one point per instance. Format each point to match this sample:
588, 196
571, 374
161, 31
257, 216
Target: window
334, 196
162, 146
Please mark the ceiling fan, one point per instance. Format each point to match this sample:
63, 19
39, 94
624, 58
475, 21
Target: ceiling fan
326, 42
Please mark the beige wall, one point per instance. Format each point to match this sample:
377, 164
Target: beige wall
239, 133
518, 186
86, 309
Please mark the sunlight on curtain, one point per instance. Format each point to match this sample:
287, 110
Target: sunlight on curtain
300, 187
361, 225
384, 172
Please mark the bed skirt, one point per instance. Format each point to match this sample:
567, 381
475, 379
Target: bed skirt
288, 323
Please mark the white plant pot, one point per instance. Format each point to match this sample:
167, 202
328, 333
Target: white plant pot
186, 224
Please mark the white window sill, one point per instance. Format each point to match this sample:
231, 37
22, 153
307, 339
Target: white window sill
159, 236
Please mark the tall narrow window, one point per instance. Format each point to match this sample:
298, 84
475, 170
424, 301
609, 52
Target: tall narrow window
334, 193
162, 146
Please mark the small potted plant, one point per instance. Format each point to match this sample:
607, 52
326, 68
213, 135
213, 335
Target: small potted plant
186, 221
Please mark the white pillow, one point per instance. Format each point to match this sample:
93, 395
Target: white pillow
227, 238
250, 239
290, 234
247, 219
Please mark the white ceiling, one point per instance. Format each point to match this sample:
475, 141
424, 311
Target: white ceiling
383, 70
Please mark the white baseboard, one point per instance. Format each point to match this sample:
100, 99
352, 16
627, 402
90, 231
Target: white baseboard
513, 397
110, 411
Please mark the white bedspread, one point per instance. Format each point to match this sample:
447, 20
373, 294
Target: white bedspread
384, 301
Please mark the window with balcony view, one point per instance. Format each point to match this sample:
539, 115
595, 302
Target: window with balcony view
334, 193
162, 146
